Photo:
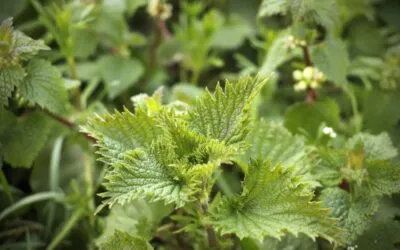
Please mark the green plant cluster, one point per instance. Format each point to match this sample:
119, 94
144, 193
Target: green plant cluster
155, 124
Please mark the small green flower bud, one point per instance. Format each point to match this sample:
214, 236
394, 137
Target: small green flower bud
314, 84
302, 85
308, 73
297, 75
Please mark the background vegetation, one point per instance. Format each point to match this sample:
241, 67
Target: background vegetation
332, 97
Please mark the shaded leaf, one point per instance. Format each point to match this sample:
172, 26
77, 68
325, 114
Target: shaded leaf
124, 241
332, 59
44, 85
25, 137
119, 73
272, 7
273, 142
354, 214
304, 117
131, 216
272, 202
277, 54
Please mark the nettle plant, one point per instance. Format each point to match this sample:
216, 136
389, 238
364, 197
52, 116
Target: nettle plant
175, 152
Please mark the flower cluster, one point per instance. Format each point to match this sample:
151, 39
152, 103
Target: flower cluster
310, 77
329, 131
292, 42
159, 9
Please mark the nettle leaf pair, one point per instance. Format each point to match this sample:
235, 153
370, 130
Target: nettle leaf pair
37, 83
170, 152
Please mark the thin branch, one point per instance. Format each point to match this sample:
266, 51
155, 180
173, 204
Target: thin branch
162, 32
69, 124
312, 95
60, 119
306, 55
162, 27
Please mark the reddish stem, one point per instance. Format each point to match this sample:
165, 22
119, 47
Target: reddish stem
69, 124
306, 55
162, 27
162, 31
312, 95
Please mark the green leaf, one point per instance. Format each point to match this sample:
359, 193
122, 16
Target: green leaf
11, 8
289, 242
121, 132
6, 36
14, 46
119, 73
147, 174
277, 54
10, 77
17, 45
124, 241
383, 178
7, 120
273, 142
332, 59
380, 235
272, 202
26, 138
365, 37
327, 169
354, 214
130, 218
272, 7
44, 85
374, 102
307, 118
225, 115
133, 5
70, 166
24, 46
85, 42
186, 93
370, 164
232, 34
375, 147
316, 11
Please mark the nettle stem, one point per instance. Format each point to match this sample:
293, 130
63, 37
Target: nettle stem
67, 123
211, 236
162, 27
306, 55
162, 32
312, 95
